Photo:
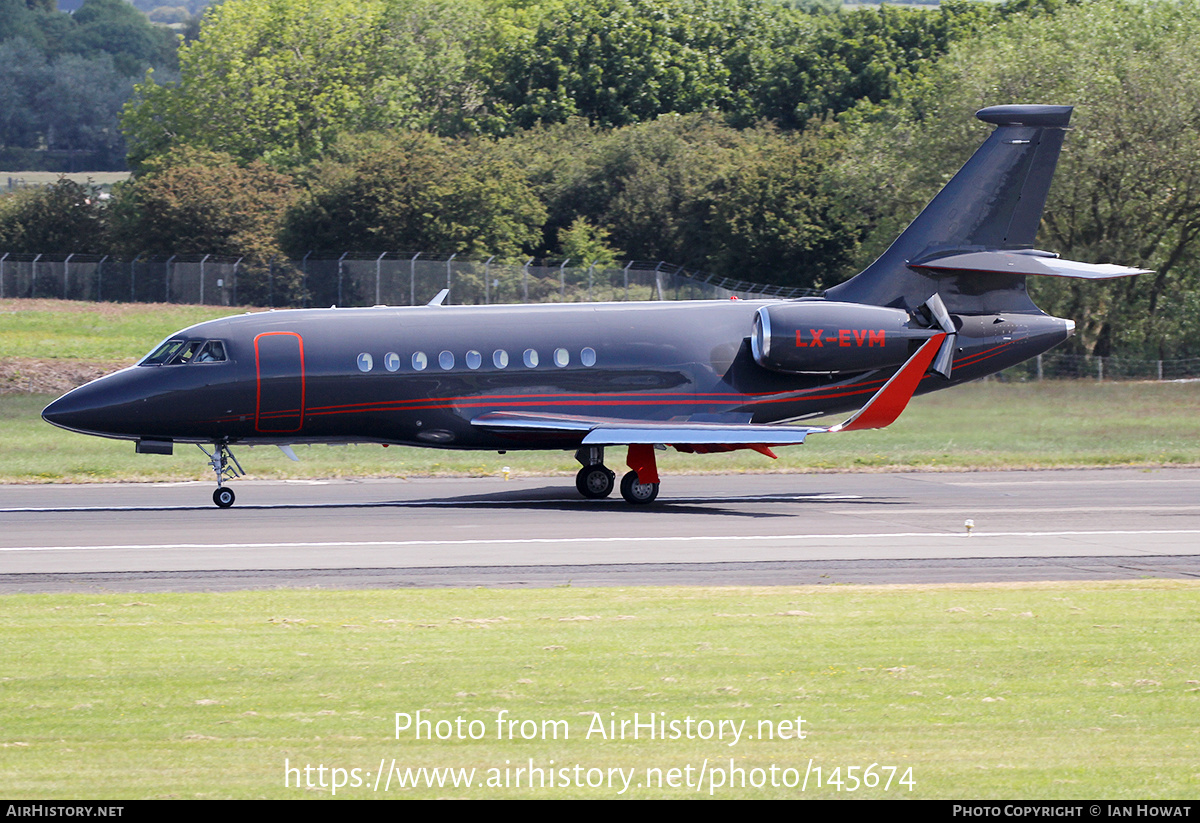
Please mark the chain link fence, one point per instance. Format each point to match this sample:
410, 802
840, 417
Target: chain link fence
354, 280
1059, 366
402, 279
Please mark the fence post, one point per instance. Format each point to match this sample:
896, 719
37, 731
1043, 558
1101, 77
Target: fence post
167, 278
340, 259
449, 284
1100, 369
627, 265
1160, 370
487, 280
304, 296
33, 276
100, 279
591, 271
236, 263
1039, 368
658, 279
66, 276
203, 260
133, 278
525, 281
412, 280
2, 259
378, 277
562, 280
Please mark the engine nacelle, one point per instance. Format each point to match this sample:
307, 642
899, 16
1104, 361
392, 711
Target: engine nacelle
821, 336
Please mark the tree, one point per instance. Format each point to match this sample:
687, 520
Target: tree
780, 219
1127, 188
587, 244
62, 218
202, 203
416, 192
276, 81
116, 28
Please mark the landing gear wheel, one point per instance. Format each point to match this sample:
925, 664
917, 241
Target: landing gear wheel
595, 482
635, 492
223, 497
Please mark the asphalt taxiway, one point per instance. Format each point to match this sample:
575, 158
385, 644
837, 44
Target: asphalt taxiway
704, 530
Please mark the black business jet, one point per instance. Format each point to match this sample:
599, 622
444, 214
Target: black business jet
945, 304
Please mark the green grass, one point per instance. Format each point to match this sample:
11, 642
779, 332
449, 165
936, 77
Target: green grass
1048, 691
978, 426
64, 330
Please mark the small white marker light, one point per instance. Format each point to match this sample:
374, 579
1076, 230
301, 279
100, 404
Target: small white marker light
506, 471
970, 524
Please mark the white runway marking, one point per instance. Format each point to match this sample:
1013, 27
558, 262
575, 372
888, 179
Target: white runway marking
975, 536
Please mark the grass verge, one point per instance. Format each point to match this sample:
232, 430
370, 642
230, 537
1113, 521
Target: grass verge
979, 426
1050, 691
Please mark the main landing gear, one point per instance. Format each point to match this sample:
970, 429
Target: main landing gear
596, 481
225, 465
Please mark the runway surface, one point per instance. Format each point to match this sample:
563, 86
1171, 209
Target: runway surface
704, 530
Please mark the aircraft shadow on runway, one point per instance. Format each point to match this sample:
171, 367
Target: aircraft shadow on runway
542, 499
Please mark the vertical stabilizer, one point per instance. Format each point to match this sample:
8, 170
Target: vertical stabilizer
995, 202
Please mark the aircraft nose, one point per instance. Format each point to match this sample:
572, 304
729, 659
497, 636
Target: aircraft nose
84, 409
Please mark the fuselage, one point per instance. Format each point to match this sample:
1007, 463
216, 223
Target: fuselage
418, 376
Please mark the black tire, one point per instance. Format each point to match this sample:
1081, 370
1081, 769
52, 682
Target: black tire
595, 482
637, 493
224, 497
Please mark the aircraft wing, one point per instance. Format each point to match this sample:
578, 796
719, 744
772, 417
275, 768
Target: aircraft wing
881, 410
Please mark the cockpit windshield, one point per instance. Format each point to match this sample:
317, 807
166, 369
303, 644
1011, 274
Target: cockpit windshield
179, 351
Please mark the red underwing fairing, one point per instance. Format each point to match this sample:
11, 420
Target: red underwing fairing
946, 303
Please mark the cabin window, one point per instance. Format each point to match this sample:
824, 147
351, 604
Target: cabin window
391, 361
500, 358
588, 356
420, 361
365, 362
531, 358
446, 360
474, 359
561, 358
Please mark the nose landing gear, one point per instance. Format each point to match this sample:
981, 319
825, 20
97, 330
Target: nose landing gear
226, 466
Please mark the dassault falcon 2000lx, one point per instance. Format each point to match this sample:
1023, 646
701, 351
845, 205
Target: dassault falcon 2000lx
945, 304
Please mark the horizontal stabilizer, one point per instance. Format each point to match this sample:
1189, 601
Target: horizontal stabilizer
1023, 262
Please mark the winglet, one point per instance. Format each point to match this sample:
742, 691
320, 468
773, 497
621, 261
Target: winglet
890, 401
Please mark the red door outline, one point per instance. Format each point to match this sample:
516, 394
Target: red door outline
280, 411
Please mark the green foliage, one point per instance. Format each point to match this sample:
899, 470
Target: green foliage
62, 218
116, 28
273, 80
781, 219
750, 203
416, 192
202, 203
1127, 188
587, 244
